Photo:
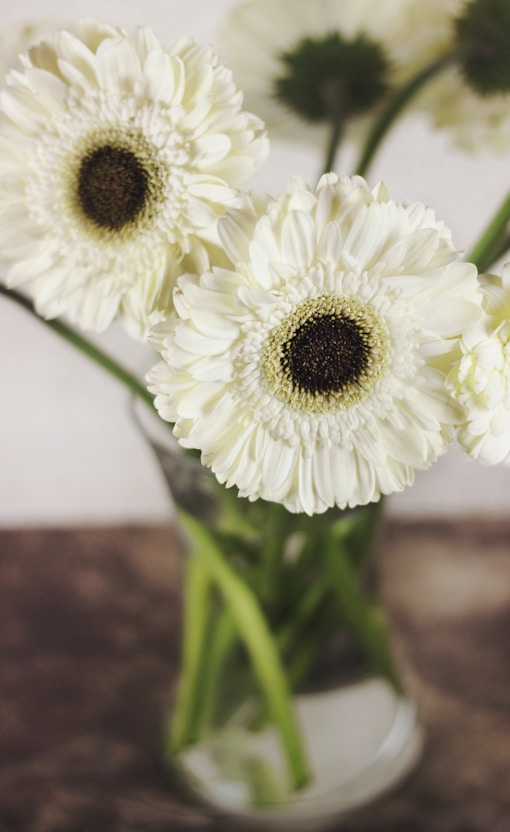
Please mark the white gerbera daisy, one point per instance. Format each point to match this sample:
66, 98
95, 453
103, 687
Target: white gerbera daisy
116, 160
295, 58
481, 380
312, 372
471, 98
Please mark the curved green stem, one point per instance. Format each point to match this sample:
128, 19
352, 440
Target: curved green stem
133, 384
396, 105
488, 248
259, 642
187, 710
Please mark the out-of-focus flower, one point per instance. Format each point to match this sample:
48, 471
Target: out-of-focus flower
481, 380
313, 371
471, 99
116, 160
303, 63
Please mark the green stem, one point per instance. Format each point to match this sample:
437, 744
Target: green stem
303, 611
334, 143
259, 642
133, 384
497, 252
274, 534
309, 653
223, 639
366, 621
482, 253
359, 530
396, 105
186, 713
304, 655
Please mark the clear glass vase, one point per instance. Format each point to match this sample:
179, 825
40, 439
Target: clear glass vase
289, 712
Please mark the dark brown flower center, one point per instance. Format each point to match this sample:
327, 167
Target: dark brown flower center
325, 354
112, 187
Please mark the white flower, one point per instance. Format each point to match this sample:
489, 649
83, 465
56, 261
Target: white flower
261, 32
116, 160
15, 41
481, 380
475, 121
312, 372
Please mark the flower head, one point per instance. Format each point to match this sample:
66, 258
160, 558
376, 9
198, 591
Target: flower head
330, 76
481, 379
483, 32
304, 64
470, 99
312, 371
116, 160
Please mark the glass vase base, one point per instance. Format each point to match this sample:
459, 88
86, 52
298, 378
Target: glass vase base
361, 741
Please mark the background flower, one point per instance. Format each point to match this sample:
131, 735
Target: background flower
481, 380
410, 34
312, 372
116, 160
460, 100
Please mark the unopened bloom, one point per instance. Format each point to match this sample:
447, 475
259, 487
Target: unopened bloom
481, 380
116, 160
312, 371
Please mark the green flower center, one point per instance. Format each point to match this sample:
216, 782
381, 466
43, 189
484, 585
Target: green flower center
327, 354
113, 187
332, 77
483, 33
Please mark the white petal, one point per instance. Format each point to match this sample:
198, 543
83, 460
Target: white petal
117, 66
163, 78
298, 238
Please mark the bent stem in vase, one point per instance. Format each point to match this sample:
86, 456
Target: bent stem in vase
254, 633
187, 717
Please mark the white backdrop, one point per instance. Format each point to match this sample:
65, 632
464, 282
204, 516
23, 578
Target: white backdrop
68, 450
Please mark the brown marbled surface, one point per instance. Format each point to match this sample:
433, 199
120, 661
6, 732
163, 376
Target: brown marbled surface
88, 623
